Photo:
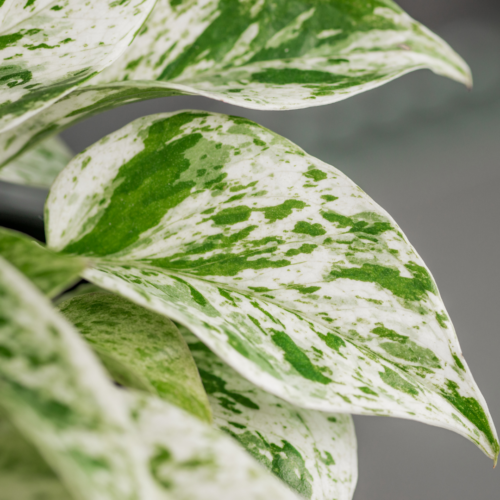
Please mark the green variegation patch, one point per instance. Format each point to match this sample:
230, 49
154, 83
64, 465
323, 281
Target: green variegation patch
261, 54
313, 452
39, 166
50, 47
275, 260
52, 273
103, 442
140, 349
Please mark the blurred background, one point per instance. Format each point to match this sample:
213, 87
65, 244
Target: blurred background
428, 151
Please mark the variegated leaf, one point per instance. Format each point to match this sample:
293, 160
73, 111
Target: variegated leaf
262, 54
51, 272
50, 47
191, 460
140, 349
39, 166
103, 442
278, 54
313, 452
55, 392
24, 474
278, 262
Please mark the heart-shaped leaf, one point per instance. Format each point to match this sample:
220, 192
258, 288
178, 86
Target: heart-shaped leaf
39, 166
50, 47
278, 262
262, 54
313, 452
105, 443
51, 272
140, 349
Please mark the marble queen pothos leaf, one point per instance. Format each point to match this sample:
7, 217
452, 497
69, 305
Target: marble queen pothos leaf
55, 392
139, 348
278, 262
39, 166
49, 47
313, 452
262, 54
103, 442
51, 272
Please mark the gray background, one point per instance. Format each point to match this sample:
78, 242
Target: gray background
429, 152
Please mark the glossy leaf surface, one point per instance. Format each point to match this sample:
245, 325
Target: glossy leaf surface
278, 262
49, 271
140, 349
50, 47
39, 166
104, 442
262, 54
313, 452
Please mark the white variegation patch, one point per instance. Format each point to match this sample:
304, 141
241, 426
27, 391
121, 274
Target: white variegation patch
313, 452
49, 47
260, 54
39, 166
277, 261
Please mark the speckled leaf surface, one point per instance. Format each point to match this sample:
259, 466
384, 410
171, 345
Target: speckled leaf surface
24, 474
49, 47
190, 460
55, 392
39, 166
278, 262
281, 54
313, 452
262, 54
140, 349
51, 272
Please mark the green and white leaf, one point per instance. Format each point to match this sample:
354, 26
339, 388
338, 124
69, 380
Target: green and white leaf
262, 54
51, 272
50, 47
313, 452
40, 165
55, 392
24, 474
191, 460
277, 54
103, 442
276, 261
140, 349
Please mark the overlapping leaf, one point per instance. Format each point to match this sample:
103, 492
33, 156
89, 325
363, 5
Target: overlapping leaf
313, 452
105, 443
52, 273
39, 166
140, 349
57, 395
50, 47
263, 54
278, 262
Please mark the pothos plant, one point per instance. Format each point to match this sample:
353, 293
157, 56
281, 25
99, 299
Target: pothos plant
245, 297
